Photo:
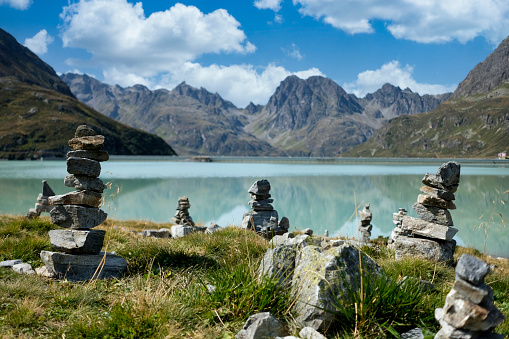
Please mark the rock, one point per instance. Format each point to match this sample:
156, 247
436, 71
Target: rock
93, 155
416, 333
76, 217
160, 233
260, 187
83, 182
179, 231
435, 192
92, 143
427, 248
83, 267
83, 166
85, 197
475, 294
284, 223
316, 271
261, 326
44, 272
23, 268
213, 228
307, 231
414, 226
77, 241
449, 174
472, 269
10, 263
310, 333
280, 239
433, 214
429, 200
84, 131
182, 216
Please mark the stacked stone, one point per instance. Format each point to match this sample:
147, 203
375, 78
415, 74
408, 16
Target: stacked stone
431, 236
42, 204
79, 255
263, 218
365, 227
469, 312
182, 216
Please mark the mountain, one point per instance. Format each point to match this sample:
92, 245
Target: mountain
473, 123
487, 75
194, 121
39, 114
302, 118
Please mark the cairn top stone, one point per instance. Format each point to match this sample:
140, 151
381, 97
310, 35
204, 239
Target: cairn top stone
260, 187
449, 173
84, 131
472, 269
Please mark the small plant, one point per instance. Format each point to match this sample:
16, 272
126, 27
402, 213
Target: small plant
485, 225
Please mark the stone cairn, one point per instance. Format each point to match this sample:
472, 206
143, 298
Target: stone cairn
365, 227
42, 204
79, 255
263, 218
182, 216
431, 236
469, 312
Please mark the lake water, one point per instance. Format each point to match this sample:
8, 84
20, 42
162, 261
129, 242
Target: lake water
316, 193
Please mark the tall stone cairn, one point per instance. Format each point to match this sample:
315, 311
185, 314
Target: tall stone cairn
365, 227
263, 218
431, 235
182, 216
78, 245
469, 312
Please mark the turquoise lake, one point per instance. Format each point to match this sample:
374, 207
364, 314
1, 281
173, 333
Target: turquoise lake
317, 193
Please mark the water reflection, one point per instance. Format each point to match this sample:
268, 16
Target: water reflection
321, 197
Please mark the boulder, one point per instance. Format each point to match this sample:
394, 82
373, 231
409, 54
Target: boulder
23, 268
76, 217
83, 166
83, 182
85, 197
10, 263
261, 326
77, 241
318, 272
179, 231
427, 248
44, 272
449, 174
83, 267
414, 226
310, 333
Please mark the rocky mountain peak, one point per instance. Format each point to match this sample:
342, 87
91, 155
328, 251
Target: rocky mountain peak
487, 75
202, 95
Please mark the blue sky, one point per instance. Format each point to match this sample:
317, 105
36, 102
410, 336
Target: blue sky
244, 49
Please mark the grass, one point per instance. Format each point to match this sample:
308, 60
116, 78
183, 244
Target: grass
167, 289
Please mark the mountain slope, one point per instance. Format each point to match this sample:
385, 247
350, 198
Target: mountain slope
38, 113
194, 121
487, 75
471, 127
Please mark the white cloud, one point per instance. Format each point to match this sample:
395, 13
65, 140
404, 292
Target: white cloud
278, 18
17, 4
274, 5
431, 21
369, 81
39, 42
119, 36
293, 52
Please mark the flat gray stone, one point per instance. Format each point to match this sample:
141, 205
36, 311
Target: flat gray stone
85, 197
414, 226
76, 217
258, 219
157, 233
94, 143
10, 263
83, 182
432, 250
416, 333
44, 272
83, 166
179, 231
93, 155
476, 294
23, 268
436, 192
429, 200
472, 269
310, 333
433, 214
261, 325
77, 241
82, 267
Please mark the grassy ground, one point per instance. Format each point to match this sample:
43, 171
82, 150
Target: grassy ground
164, 291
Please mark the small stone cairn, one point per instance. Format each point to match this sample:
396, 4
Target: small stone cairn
365, 227
42, 204
182, 216
79, 255
431, 236
469, 312
263, 218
